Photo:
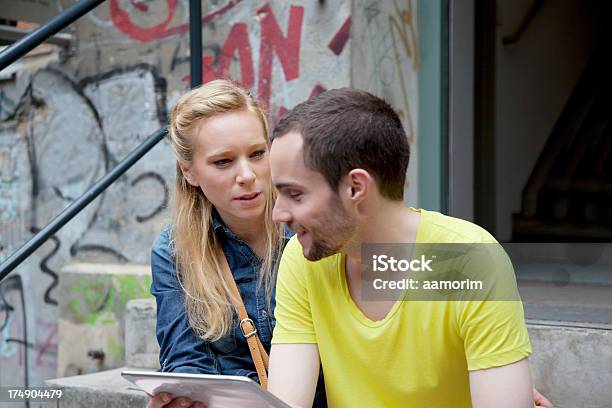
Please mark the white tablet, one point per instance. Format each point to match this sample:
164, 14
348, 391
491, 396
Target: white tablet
215, 391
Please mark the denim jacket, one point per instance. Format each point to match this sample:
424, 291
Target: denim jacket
181, 350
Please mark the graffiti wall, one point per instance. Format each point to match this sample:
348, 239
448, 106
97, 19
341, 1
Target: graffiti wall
284, 50
385, 61
64, 124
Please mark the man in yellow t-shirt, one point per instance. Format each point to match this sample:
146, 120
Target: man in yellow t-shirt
339, 162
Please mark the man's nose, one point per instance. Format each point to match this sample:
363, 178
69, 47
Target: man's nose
279, 213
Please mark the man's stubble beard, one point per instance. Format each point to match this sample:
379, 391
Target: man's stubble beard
339, 228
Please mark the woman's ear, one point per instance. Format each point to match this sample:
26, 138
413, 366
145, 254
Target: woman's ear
360, 184
187, 174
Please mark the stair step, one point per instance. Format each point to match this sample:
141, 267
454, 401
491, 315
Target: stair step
105, 389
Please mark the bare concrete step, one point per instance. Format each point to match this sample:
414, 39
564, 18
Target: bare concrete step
106, 389
572, 363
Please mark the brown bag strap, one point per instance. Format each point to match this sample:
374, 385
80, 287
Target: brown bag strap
247, 327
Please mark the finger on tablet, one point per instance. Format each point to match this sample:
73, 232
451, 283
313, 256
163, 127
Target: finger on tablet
159, 400
181, 402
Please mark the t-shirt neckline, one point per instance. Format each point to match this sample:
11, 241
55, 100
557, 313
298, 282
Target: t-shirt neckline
355, 311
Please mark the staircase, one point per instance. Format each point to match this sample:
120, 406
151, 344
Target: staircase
568, 196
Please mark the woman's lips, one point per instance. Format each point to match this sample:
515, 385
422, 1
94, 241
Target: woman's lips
249, 198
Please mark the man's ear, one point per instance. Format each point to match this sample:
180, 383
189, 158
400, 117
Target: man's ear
186, 170
360, 183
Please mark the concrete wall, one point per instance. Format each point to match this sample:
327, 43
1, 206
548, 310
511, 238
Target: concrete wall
67, 117
534, 79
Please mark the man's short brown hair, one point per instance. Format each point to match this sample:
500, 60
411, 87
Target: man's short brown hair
345, 129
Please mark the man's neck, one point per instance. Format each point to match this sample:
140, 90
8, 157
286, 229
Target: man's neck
396, 224
392, 222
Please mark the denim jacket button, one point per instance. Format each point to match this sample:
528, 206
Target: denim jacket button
264, 314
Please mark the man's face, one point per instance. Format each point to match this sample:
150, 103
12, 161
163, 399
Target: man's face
306, 202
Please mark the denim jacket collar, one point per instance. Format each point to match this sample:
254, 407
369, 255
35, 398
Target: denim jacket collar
219, 226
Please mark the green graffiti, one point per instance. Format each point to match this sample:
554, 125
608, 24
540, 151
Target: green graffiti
98, 299
114, 348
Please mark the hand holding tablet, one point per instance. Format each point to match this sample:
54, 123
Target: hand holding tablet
214, 391
166, 400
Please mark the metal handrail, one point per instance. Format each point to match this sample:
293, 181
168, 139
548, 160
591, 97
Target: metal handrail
195, 42
73, 209
21, 47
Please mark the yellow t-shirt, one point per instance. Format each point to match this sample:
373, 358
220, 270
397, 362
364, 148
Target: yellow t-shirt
419, 354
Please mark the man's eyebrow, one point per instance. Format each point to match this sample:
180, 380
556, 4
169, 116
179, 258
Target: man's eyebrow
281, 186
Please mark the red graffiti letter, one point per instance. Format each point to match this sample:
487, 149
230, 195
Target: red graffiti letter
237, 40
124, 23
287, 48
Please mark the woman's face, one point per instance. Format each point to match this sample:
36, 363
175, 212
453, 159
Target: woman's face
230, 165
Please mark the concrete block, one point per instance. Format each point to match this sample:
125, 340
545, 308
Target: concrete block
141, 347
106, 389
572, 365
93, 300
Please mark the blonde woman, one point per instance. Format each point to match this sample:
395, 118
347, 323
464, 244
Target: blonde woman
223, 203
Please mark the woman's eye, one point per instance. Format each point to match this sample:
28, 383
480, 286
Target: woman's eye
222, 162
258, 153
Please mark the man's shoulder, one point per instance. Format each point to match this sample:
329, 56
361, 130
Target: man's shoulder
440, 228
293, 248
294, 263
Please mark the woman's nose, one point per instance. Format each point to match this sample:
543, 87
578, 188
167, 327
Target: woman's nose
245, 173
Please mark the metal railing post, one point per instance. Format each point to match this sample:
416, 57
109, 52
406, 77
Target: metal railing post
195, 42
23, 46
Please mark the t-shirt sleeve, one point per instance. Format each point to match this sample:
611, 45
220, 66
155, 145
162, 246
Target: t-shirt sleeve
293, 314
493, 326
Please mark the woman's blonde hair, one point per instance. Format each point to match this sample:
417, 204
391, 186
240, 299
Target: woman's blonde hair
208, 299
